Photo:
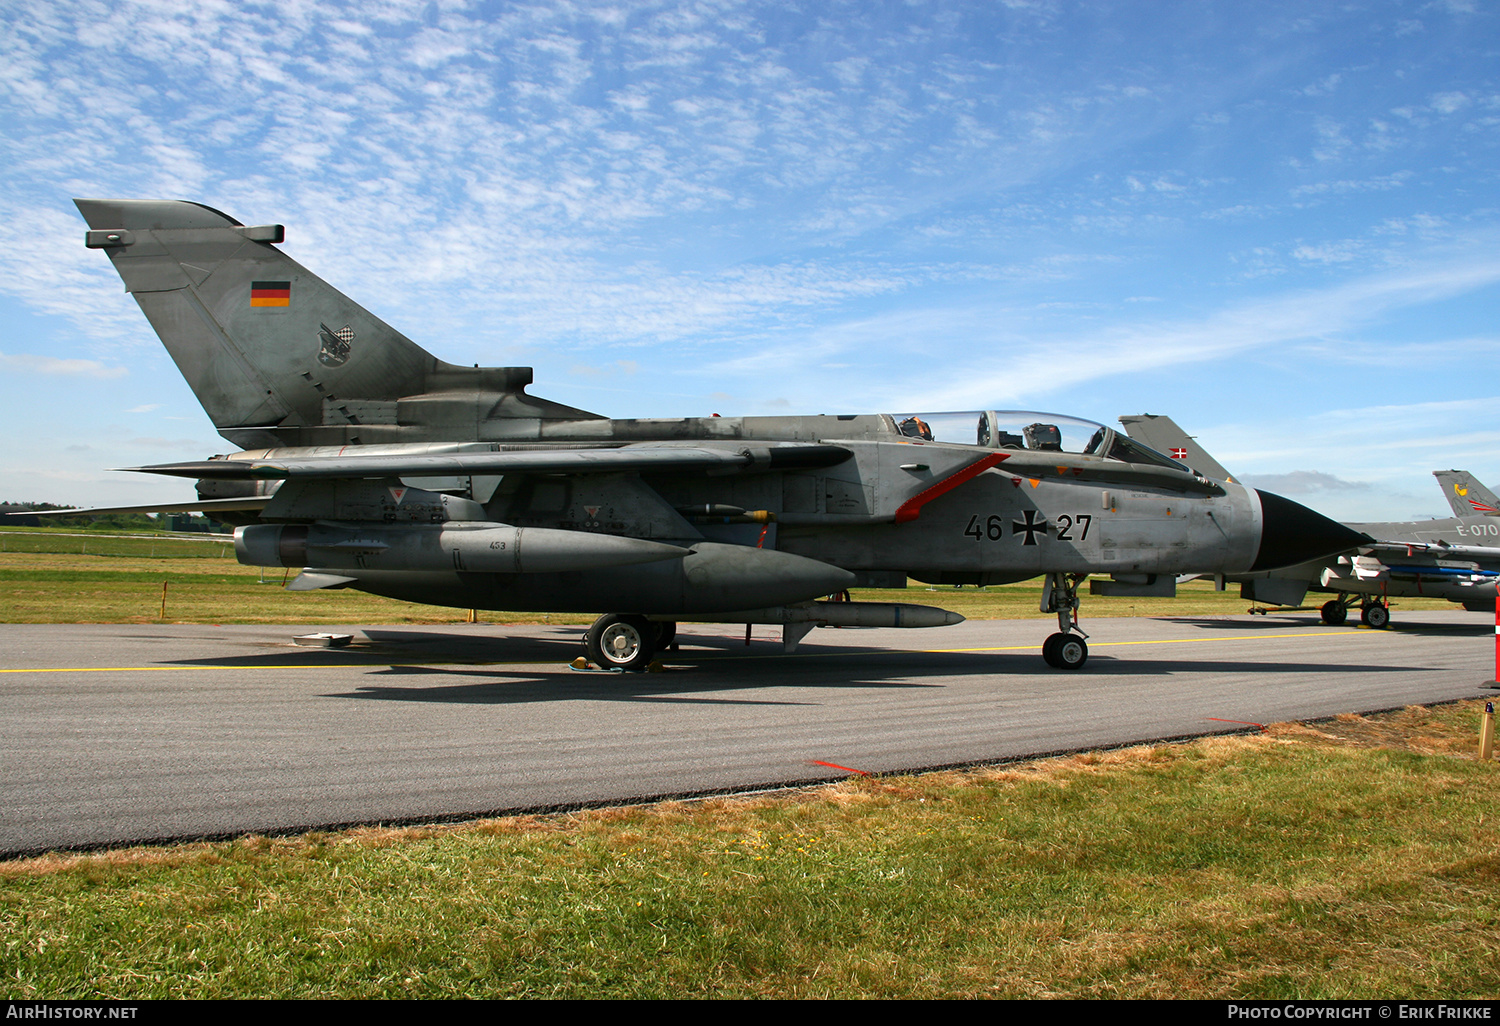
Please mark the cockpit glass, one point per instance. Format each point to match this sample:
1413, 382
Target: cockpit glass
1128, 449
1021, 429
1004, 429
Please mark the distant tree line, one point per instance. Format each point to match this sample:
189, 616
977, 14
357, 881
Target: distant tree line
185, 522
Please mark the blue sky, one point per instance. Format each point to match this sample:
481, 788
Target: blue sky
1277, 222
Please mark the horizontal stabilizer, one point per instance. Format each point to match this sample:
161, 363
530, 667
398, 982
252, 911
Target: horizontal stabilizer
205, 506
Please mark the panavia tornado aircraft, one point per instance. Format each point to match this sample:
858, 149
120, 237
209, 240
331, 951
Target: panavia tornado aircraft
1457, 559
368, 463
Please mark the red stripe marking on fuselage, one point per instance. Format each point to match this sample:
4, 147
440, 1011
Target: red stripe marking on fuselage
912, 507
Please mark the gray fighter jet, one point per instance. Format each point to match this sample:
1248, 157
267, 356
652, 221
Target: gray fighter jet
368, 463
1466, 495
1457, 559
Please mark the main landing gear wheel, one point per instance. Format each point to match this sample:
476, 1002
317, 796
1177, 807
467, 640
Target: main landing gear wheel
1065, 651
666, 633
621, 642
1334, 613
1376, 615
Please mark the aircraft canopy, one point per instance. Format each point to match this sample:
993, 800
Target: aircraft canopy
1023, 429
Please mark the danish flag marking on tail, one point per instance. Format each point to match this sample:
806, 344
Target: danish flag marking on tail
1179, 454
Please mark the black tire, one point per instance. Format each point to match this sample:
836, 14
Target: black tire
1334, 613
1377, 616
618, 641
1071, 652
1049, 649
1065, 651
666, 633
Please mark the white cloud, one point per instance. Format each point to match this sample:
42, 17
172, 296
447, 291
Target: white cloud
1026, 367
32, 364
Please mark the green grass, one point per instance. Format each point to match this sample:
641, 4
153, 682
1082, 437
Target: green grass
119, 580
1355, 858
82, 540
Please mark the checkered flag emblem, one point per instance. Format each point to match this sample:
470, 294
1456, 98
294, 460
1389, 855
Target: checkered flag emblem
334, 345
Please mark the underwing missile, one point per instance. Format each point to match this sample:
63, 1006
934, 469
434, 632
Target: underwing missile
849, 614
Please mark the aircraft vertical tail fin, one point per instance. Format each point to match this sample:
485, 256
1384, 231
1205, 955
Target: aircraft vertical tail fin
262, 341
1161, 433
1466, 495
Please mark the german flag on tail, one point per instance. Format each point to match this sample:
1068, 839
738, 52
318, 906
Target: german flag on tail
270, 293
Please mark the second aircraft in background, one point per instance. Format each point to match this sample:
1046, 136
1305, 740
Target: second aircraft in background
1457, 558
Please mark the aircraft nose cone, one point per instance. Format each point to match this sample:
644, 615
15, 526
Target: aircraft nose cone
1290, 533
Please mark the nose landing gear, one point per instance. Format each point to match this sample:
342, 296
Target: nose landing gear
1067, 649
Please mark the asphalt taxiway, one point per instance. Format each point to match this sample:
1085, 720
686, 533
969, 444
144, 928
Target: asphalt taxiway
122, 733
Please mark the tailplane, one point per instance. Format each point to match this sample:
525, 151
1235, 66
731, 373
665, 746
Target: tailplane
276, 355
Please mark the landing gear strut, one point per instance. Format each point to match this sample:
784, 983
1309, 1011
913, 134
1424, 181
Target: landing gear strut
1066, 650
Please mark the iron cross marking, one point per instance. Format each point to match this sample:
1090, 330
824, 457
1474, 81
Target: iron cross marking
1031, 527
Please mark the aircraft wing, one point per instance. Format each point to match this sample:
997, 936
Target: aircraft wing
625, 459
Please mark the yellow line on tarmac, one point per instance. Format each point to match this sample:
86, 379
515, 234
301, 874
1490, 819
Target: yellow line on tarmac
257, 666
